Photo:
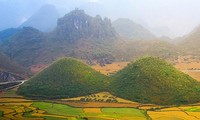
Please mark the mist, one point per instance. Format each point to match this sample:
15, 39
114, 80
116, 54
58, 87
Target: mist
164, 18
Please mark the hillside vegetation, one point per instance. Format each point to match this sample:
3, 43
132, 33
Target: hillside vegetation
64, 78
152, 80
7, 33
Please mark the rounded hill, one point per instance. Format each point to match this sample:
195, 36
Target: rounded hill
67, 77
152, 80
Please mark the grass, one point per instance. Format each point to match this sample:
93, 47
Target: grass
58, 109
1, 114
54, 118
78, 113
193, 109
123, 112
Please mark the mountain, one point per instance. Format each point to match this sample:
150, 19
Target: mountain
78, 25
162, 31
76, 35
7, 33
65, 78
24, 46
152, 80
44, 19
190, 43
127, 29
10, 71
81, 36
134, 49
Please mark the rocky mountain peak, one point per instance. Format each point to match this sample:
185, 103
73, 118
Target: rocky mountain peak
77, 24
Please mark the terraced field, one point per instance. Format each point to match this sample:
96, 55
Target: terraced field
23, 109
17, 108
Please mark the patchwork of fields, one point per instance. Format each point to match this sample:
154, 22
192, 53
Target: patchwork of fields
23, 109
16, 108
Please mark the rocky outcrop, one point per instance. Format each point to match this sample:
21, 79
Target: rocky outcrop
77, 24
6, 77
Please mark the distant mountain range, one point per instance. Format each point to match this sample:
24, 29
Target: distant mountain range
126, 28
85, 37
77, 34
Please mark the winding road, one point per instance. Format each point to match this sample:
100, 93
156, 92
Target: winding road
20, 83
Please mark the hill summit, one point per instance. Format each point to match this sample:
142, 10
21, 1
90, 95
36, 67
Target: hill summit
64, 78
152, 80
78, 25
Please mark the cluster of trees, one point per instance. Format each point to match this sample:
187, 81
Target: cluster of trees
98, 100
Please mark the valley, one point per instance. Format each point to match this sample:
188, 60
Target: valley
83, 64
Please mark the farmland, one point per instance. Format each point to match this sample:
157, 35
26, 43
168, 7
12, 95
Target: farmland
21, 108
34, 110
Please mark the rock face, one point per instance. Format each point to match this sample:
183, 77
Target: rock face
6, 77
77, 24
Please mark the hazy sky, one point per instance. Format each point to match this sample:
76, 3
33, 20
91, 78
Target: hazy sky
172, 17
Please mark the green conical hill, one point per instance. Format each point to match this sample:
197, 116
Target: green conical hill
64, 78
152, 80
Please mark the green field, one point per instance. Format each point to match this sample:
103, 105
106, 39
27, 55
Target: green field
79, 114
58, 109
1, 114
193, 109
